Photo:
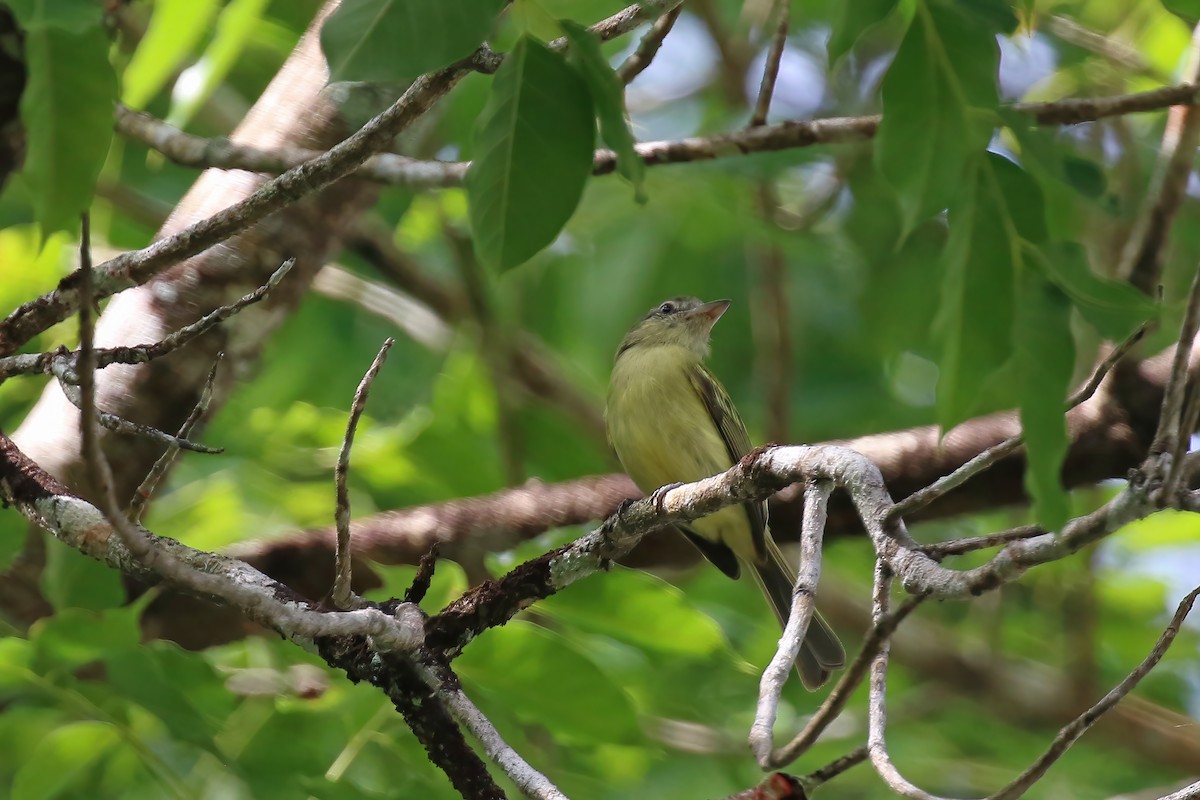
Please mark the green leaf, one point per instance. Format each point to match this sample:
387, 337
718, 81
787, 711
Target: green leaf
938, 96
73, 580
75, 637
1189, 10
534, 145
608, 97
238, 21
1045, 359
176, 27
67, 111
397, 40
73, 16
639, 609
541, 677
975, 317
179, 688
1113, 308
856, 17
62, 758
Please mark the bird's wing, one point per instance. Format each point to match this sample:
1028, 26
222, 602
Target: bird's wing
737, 441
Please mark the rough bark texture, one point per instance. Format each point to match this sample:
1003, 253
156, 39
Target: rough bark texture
293, 111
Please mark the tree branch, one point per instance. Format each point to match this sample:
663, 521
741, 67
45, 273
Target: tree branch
192, 151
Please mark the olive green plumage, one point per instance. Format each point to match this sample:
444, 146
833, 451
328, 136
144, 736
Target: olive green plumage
670, 420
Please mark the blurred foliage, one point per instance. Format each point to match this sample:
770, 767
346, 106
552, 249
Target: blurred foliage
624, 686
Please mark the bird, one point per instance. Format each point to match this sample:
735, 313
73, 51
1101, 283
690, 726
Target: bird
670, 421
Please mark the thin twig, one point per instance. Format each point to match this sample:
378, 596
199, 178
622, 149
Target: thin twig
649, 46
836, 767
139, 266
1172, 407
145, 490
417, 174
1142, 258
532, 783
877, 698
342, 596
958, 547
770, 687
992, 455
416, 591
1071, 732
44, 363
766, 89
68, 372
1072, 32
879, 632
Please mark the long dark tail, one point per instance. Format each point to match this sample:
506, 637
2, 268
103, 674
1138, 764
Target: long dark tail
821, 652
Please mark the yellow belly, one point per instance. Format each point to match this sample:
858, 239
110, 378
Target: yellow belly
661, 440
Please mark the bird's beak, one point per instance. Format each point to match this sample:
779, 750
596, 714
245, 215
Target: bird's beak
709, 313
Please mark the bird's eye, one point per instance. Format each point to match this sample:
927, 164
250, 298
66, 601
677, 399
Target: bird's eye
666, 308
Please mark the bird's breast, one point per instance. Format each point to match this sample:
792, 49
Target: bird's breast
658, 425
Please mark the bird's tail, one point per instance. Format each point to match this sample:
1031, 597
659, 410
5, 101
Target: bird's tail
821, 652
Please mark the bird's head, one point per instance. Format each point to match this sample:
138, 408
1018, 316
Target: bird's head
679, 322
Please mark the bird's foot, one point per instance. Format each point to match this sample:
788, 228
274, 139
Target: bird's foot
659, 496
614, 519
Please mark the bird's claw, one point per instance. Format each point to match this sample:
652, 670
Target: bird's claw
659, 496
614, 519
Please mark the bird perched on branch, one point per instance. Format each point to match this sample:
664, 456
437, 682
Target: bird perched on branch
671, 421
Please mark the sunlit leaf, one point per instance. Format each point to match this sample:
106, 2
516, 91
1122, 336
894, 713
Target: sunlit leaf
937, 96
74, 637
67, 109
541, 677
1114, 308
62, 758
179, 688
73, 16
855, 18
235, 27
395, 40
1045, 359
636, 608
533, 147
975, 317
176, 27
73, 580
608, 97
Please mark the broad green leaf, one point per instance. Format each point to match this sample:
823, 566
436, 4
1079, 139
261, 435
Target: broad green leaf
533, 146
16, 661
1042, 148
179, 688
642, 610
1189, 10
63, 757
608, 97
73, 16
541, 677
235, 25
75, 637
397, 40
938, 97
856, 17
974, 320
176, 27
1113, 308
73, 580
1045, 359
67, 110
